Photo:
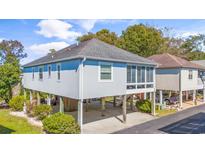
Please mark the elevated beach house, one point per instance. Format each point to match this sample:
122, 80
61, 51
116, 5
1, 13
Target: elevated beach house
178, 75
89, 70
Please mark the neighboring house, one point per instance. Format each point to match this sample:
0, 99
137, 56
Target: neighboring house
91, 69
178, 75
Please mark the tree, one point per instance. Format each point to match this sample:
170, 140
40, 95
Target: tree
194, 43
103, 35
12, 47
10, 54
9, 76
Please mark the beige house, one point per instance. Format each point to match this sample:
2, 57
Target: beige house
178, 75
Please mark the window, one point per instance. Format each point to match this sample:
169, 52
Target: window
149, 75
190, 74
49, 71
105, 71
33, 73
131, 74
59, 71
141, 86
150, 86
40, 73
140, 74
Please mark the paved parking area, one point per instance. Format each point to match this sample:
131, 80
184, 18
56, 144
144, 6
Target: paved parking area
190, 121
113, 124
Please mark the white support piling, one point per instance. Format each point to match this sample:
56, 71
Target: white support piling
61, 105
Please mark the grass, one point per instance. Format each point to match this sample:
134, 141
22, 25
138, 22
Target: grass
165, 112
15, 125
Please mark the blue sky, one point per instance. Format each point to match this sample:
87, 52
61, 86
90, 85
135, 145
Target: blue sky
38, 36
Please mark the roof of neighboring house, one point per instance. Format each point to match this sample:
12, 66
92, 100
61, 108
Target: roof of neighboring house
199, 62
92, 49
167, 60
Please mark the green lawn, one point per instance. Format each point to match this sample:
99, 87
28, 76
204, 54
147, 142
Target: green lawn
15, 125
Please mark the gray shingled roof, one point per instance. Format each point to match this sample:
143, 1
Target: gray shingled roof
92, 49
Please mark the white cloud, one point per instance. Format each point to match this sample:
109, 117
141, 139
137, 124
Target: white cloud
42, 49
87, 25
187, 34
57, 28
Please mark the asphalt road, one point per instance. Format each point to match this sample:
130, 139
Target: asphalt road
190, 121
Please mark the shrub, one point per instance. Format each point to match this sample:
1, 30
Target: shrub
60, 123
42, 111
144, 106
30, 107
17, 103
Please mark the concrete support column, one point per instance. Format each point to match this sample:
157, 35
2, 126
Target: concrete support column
114, 101
24, 107
153, 103
61, 105
102, 106
160, 98
49, 99
180, 99
80, 114
145, 96
204, 95
150, 96
31, 96
187, 95
87, 104
194, 97
124, 109
38, 98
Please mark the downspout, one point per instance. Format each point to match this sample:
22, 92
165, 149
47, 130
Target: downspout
180, 89
81, 79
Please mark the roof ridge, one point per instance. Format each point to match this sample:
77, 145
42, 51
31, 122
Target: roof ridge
175, 59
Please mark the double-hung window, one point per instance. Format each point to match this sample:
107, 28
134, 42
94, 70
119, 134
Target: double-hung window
150, 74
33, 73
105, 71
58, 71
140, 74
190, 76
131, 74
40, 73
49, 71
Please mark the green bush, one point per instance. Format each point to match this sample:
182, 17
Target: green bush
60, 123
144, 106
41, 111
30, 107
17, 103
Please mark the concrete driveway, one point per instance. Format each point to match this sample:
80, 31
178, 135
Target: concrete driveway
190, 121
113, 124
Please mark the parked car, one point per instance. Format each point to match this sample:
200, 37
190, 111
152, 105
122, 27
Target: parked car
171, 100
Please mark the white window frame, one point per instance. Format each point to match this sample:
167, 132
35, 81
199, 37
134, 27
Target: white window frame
49, 75
33, 73
131, 73
190, 74
99, 71
59, 64
40, 67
